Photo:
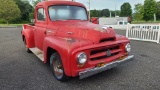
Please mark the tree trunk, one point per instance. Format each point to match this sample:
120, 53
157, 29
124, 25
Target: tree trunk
7, 23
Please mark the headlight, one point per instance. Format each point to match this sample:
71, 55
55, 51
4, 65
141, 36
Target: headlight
128, 47
82, 58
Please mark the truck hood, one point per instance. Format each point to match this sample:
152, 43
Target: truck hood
85, 30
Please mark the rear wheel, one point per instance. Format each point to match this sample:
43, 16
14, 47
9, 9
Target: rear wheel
27, 49
57, 67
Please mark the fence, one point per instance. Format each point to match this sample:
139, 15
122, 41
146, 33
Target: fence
143, 32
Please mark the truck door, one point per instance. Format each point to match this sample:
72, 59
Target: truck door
40, 27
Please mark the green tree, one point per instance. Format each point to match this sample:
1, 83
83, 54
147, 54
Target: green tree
95, 13
36, 2
25, 9
126, 10
112, 13
158, 10
150, 9
139, 11
117, 12
9, 10
105, 13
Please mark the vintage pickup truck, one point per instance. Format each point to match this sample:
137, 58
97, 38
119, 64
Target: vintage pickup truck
63, 36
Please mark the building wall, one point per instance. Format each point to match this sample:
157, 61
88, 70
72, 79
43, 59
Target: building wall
112, 20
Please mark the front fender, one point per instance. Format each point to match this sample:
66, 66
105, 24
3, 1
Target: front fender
61, 47
64, 46
121, 37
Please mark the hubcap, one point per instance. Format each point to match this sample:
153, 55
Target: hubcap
58, 69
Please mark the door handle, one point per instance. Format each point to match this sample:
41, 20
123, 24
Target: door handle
70, 33
48, 31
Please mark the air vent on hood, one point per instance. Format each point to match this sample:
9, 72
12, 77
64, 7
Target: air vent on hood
106, 40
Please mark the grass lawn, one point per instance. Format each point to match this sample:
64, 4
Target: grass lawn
144, 22
5, 25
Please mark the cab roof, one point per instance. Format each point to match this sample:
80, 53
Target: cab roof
50, 3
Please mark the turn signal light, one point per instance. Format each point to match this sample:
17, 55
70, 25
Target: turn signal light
122, 57
100, 64
80, 65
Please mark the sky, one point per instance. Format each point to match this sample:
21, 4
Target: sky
109, 4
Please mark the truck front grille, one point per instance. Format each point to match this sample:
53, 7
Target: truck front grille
104, 52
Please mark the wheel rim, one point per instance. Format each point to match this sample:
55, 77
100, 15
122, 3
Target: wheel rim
58, 69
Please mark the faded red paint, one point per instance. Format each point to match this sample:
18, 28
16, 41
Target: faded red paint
71, 37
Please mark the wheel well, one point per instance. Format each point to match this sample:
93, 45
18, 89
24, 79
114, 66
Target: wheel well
50, 51
23, 37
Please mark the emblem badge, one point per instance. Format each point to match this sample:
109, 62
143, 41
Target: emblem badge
108, 53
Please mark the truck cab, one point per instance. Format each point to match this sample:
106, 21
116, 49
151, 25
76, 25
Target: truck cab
63, 36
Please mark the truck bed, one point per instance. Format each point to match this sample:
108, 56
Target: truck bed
28, 26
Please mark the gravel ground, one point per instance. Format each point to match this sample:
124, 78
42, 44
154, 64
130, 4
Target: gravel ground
23, 71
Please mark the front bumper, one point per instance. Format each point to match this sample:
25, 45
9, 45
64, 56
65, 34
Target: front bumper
96, 70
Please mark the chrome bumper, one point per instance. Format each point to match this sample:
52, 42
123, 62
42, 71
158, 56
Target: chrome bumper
96, 70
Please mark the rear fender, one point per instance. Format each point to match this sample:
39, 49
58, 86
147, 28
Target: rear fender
29, 36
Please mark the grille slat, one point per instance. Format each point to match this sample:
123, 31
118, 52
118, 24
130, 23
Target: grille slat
101, 53
104, 53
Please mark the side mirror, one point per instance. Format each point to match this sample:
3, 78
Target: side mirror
95, 20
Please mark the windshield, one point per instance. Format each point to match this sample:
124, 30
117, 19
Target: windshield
67, 13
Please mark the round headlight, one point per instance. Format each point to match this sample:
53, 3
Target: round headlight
128, 47
82, 58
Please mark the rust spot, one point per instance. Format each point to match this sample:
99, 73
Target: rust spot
101, 29
85, 33
70, 40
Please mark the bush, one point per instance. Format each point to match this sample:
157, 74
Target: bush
3, 21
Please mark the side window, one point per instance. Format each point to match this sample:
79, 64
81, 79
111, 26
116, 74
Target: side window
41, 14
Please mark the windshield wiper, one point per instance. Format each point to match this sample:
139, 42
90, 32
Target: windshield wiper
77, 19
60, 20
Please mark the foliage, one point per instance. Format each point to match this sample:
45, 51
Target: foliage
25, 9
149, 9
158, 10
9, 10
139, 11
36, 2
117, 12
126, 10
95, 13
31, 15
105, 13
2, 21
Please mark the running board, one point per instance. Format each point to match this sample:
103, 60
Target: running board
38, 53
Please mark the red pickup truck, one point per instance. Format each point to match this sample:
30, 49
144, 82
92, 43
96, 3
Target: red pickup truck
63, 36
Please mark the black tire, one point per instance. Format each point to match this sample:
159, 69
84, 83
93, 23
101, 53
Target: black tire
57, 67
27, 49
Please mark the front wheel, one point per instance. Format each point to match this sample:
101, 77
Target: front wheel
57, 67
